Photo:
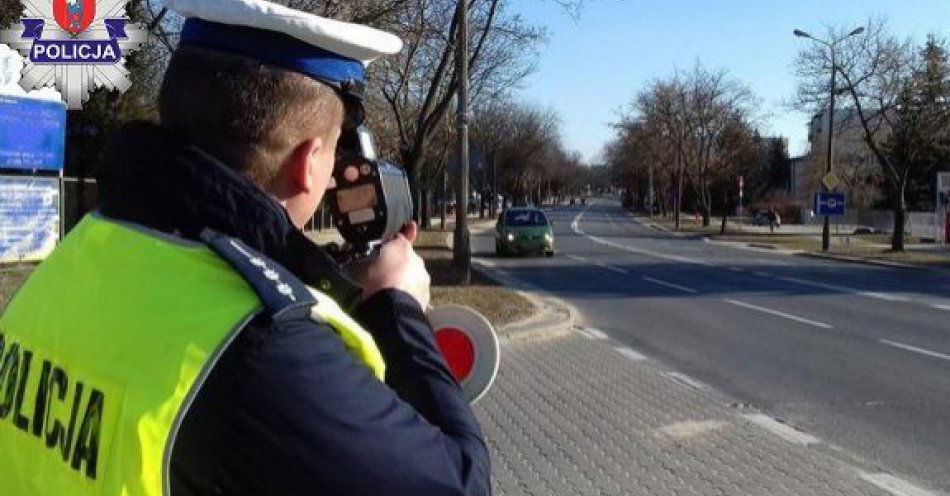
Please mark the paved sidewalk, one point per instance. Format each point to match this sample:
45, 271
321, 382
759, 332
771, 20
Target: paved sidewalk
575, 413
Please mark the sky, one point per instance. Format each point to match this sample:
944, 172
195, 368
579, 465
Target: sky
595, 63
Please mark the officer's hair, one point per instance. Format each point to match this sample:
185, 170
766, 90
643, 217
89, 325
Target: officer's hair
247, 114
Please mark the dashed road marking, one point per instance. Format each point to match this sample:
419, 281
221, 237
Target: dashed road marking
670, 285
795, 280
596, 333
577, 258
762, 274
630, 354
883, 296
640, 251
922, 351
940, 306
487, 262
781, 430
777, 313
687, 380
896, 485
611, 268
844, 289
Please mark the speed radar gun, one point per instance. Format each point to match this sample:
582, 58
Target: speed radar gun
371, 204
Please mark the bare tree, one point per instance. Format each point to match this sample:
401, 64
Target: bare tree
680, 122
875, 69
524, 143
714, 102
419, 85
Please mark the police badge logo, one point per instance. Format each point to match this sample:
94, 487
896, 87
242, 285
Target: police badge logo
74, 15
75, 45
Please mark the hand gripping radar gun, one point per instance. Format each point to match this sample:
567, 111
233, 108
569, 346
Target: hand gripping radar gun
371, 204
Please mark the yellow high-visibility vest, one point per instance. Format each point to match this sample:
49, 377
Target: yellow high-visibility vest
106, 345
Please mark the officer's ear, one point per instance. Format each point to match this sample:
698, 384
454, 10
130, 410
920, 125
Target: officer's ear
303, 165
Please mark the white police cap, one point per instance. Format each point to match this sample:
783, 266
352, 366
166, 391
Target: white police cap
325, 49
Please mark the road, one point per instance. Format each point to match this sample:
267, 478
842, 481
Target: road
858, 355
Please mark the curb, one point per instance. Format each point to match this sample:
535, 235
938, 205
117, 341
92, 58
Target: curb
866, 261
825, 256
665, 230
752, 246
555, 317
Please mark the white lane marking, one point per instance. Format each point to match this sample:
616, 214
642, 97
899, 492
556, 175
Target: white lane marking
610, 268
574, 223
677, 258
762, 274
915, 349
584, 333
670, 285
781, 430
940, 306
736, 269
639, 251
778, 313
630, 354
884, 296
895, 485
595, 333
687, 380
599, 264
844, 289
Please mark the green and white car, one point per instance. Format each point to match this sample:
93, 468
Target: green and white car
523, 231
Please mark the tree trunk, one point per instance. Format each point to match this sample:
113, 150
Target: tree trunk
706, 200
426, 208
412, 160
445, 183
678, 201
481, 204
900, 214
725, 211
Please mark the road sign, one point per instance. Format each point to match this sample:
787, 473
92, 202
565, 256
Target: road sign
470, 347
829, 203
29, 217
32, 133
831, 181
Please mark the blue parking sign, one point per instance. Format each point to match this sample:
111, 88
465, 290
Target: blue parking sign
32, 134
828, 203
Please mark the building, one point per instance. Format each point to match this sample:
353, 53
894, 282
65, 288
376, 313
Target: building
854, 162
797, 174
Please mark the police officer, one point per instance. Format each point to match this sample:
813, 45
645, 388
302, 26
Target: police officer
188, 339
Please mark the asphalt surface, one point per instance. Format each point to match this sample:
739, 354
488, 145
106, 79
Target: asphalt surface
857, 355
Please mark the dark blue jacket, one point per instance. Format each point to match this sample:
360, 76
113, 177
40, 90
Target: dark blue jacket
288, 410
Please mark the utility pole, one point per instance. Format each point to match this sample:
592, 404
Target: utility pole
826, 229
462, 256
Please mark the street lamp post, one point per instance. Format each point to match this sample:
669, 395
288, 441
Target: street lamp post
462, 256
826, 230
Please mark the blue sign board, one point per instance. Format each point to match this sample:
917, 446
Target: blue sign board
32, 133
829, 203
29, 217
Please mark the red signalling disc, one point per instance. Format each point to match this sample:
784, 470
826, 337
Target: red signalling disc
458, 350
469, 345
